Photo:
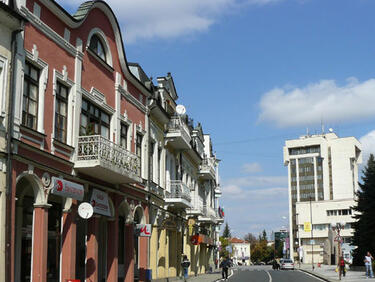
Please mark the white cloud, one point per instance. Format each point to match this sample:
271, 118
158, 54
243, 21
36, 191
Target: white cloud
145, 19
368, 145
254, 203
251, 168
324, 100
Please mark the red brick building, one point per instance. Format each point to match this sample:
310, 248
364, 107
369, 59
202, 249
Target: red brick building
80, 120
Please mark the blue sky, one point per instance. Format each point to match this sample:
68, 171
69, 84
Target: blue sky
257, 72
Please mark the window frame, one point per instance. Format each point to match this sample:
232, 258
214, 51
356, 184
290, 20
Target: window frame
91, 117
59, 98
28, 80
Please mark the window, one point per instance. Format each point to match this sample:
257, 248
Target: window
151, 160
97, 46
30, 96
61, 112
94, 121
124, 135
138, 151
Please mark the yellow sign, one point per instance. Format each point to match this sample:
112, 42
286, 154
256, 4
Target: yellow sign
307, 226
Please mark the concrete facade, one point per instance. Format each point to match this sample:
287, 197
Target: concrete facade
322, 169
241, 251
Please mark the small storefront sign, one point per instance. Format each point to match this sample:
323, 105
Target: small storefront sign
67, 189
99, 201
143, 230
201, 239
307, 226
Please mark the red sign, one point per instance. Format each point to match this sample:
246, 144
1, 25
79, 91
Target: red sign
67, 189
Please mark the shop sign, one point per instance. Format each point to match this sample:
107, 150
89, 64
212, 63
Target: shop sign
195, 240
307, 227
67, 189
143, 230
99, 201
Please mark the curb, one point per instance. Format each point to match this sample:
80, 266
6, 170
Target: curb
318, 275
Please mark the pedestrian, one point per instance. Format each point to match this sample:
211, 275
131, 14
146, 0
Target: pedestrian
368, 264
341, 266
225, 264
216, 263
185, 265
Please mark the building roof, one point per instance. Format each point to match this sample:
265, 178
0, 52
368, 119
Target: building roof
237, 241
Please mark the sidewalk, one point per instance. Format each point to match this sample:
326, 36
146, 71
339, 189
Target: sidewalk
328, 273
208, 277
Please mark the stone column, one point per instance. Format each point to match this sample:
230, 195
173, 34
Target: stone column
68, 245
92, 258
40, 243
129, 254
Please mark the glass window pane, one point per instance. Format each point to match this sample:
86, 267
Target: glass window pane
24, 104
63, 91
62, 109
32, 107
27, 68
96, 112
105, 117
25, 87
33, 73
33, 91
104, 132
84, 105
83, 120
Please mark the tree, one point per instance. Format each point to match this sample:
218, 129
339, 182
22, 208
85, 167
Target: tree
224, 242
364, 227
249, 237
226, 232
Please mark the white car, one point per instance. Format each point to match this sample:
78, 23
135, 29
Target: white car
286, 264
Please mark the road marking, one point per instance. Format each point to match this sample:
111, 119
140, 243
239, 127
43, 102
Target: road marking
308, 274
269, 275
232, 272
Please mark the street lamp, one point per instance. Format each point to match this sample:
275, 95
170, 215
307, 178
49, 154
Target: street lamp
337, 227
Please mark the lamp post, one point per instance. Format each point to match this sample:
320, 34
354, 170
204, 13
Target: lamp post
312, 238
337, 227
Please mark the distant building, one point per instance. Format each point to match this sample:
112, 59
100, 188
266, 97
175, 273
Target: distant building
241, 251
322, 169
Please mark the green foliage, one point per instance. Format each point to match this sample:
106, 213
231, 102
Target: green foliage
226, 232
250, 238
224, 243
261, 252
364, 227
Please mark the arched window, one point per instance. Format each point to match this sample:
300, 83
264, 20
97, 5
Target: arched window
96, 45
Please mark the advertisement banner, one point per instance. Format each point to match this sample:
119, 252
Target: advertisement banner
99, 201
67, 189
307, 227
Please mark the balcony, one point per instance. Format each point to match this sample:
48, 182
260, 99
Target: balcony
157, 190
207, 169
101, 158
209, 215
197, 206
178, 135
179, 195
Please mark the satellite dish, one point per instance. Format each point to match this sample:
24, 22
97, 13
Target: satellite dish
180, 109
330, 130
85, 210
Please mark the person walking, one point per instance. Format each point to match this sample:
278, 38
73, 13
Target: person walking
341, 266
185, 265
368, 264
224, 265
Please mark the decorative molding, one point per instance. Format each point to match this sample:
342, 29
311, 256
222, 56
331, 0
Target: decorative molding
97, 31
59, 40
98, 98
130, 98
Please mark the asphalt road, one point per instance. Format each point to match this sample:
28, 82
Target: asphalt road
266, 274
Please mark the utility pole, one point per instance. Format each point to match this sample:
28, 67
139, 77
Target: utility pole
312, 238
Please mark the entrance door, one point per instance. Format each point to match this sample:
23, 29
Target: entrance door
26, 239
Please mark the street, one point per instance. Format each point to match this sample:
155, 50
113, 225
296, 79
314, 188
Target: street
266, 274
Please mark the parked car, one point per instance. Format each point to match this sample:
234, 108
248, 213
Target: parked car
286, 264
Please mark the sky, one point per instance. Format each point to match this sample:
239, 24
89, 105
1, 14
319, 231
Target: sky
255, 73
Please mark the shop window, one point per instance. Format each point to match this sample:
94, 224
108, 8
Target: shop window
94, 121
97, 46
61, 112
30, 96
54, 240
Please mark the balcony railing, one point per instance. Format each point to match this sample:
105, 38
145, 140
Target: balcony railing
209, 214
197, 206
178, 190
207, 168
178, 133
97, 151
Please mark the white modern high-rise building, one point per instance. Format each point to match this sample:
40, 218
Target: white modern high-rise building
322, 180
